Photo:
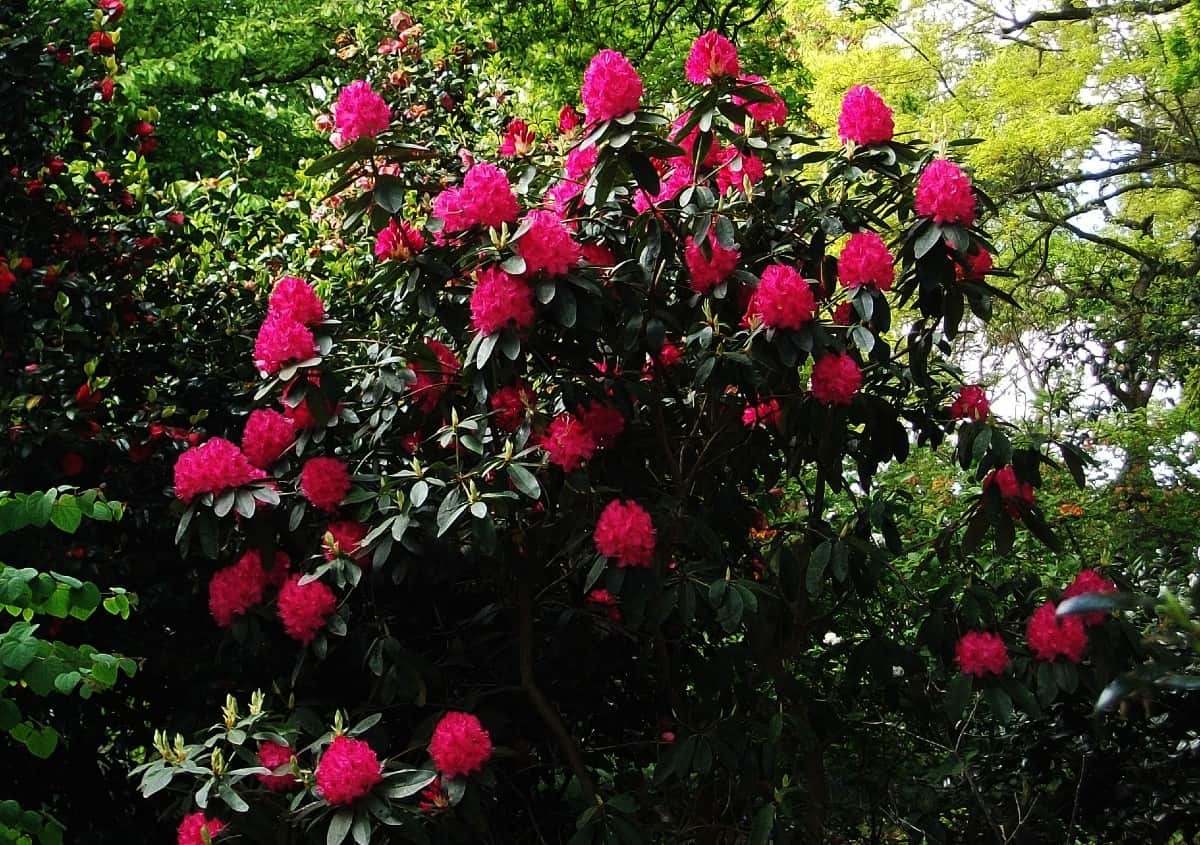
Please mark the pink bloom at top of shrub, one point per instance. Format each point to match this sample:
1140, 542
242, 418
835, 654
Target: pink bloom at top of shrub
360, 111
295, 298
1050, 637
981, 653
500, 300
944, 193
235, 589
747, 167
979, 264
267, 436
865, 118
712, 57
281, 341
459, 745
611, 87
212, 467
1090, 581
398, 241
766, 413
770, 112
568, 119
547, 246
708, 272
865, 260
568, 442
325, 482
603, 421
303, 608
274, 755
783, 299
835, 379
343, 537
518, 139
580, 161
511, 405
625, 531
194, 826
971, 404
347, 771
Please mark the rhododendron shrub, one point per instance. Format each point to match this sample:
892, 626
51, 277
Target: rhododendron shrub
528, 513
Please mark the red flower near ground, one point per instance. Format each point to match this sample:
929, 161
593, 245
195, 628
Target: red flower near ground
459, 745
835, 379
1050, 637
303, 608
981, 653
347, 771
325, 482
865, 118
626, 532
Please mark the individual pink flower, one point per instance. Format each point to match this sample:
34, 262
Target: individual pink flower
1050, 637
568, 443
517, 141
267, 436
213, 467
944, 193
295, 298
547, 245
275, 755
865, 118
360, 111
605, 599
303, 608
736, 168
981, 653
235, 589
835, 379
766, 413
485, 199
398, 241
343, 537
865, 260
1013, 491
971, 404
1090, 581
979, 264
625, 532
281, 341
708, 272
783, 299
581, 161
500, 301
712, 57
568, 119
325, 482
347, 771
101, 43
670, 355
771, 112
512, 404
459, 745
603, 421
611, 87
112, 9
194, 826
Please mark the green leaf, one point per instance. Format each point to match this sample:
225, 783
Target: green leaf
408, 782
999, 703
816, 567
763, 824
525, 481
957, 694
1096, 603
66, 514
339, 827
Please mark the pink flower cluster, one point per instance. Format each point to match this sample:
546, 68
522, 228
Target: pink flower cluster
568, 442
517, 140
500, 300
708, 271
268, 434
359, 112
971, 404
981, 653
547, 245
782, 300
1090, 581
347, 771
511, 405
398, 241
284, 336
194, 826
978, 265
865, 260
770, 112
604, 422
865, 118
836, 379
766, 413
235, 589
325, 482
712, 57
485, 199
343, 537
1013, 491
944, 193
213, 467
611, 87
736, 169
625, 531
303, 608
274, 755
459, 745
1050, 637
